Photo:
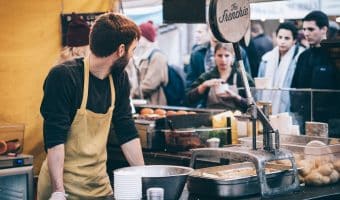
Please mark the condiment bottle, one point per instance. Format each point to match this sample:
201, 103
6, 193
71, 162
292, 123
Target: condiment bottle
229, 134
155, 193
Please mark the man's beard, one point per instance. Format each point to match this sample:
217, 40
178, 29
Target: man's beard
119, 65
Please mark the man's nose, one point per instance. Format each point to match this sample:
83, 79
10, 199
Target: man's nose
305, 33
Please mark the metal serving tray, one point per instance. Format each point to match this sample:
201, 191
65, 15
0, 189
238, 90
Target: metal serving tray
236, 187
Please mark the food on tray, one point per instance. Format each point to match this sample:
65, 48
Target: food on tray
11, 146
182, 112
182, 140
318, 171
233, 173
326, 170
150, 116
334, 176
3, 147
191, 113
315, 178
170, 113
337, 165
160, 111
306, 167
147, 111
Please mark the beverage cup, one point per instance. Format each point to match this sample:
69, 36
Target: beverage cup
222, 88
262, 83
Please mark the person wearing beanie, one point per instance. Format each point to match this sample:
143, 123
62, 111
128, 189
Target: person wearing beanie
148, 31
77, 39
151, 66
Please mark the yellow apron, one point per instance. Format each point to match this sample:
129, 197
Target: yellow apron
85, 175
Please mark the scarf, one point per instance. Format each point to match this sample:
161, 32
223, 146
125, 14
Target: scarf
277, 73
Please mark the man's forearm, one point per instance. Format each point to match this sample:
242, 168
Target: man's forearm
133, 152
55, 162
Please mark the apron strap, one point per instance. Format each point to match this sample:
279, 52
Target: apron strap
113, 91
86, 83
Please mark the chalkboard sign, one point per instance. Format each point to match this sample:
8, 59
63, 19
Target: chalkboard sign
184, 11
229, 19
66, 19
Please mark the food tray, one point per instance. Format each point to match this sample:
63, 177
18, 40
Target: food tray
13, 133
297, 144
318, 157
245, 185
190, 138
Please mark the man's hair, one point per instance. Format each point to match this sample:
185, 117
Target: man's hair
111, 30
227, 46
319, 17
256, 27
288, 26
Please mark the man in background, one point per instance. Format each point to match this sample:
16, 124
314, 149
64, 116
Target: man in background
262, 43
315, 69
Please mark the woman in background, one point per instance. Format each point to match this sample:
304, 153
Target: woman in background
278, 65
204, 89
77, 39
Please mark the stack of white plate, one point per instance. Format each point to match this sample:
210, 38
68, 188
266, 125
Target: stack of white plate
127, 185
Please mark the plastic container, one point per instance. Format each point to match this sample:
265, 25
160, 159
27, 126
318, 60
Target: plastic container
182, 139
318, 157
13, 136
207, 133
155, 193
185, 139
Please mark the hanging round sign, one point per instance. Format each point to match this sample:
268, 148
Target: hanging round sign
229, 19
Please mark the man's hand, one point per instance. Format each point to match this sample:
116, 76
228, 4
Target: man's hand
58, 196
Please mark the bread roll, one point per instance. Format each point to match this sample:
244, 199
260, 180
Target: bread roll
160, 112
336, 165
170, 113
314, 178
334, 176
307, 166
146, 111
325, 180
325, 169
182, 112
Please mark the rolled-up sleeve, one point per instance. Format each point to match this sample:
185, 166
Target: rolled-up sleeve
122, 120
55, 107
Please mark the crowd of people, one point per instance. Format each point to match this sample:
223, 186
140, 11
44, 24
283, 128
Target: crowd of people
103, 67
293, 58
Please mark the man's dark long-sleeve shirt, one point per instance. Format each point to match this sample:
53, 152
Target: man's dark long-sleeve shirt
63, 93
315, 69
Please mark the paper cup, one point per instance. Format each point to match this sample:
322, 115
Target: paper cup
262, 83
127, 185
221, 89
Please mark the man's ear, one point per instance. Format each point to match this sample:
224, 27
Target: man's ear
121, 50
324, 32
